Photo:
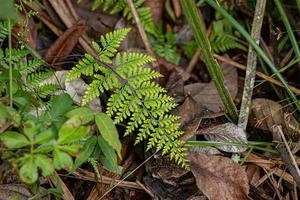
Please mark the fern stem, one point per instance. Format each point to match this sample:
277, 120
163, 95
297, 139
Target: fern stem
10, 65
192, 15
259, 51
288, 28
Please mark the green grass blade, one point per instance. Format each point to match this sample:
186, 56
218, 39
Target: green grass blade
215, 72
288, 28
259, 51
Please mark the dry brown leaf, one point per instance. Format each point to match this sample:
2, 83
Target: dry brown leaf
227, 132
157, 7
189, 110
253, 173
207, 94
75, 88
65, 43
9, 191
219, 178
266, 113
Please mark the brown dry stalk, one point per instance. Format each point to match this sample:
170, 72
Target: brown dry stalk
140, 28
259, 74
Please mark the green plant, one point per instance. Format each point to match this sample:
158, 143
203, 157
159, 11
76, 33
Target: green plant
117, 6
48, 142
222, 38
198, 29
28, 74
136, 99
259, 51
165, 45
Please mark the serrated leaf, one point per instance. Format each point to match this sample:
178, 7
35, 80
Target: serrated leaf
109, 160
13, 139
45, 164
108, 131
28, 172
62, 160
86, 152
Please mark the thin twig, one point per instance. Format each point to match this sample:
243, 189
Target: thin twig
259, 74
251, 64
140, 28
193, 61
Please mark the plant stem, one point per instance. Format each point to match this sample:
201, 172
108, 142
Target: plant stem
288, 28
10, 65
298, 4
215, 72
259, 51
251, 64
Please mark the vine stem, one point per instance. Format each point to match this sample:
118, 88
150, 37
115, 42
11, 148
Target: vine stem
251, 64
10, 65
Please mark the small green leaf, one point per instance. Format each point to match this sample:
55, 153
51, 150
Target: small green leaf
29, 129
45, 164
71, 149
8, 10
44, 137
86, 153
60, 105
83, 113
62, 160
28, 172
108, 131
109, 160
13, 139
72, 131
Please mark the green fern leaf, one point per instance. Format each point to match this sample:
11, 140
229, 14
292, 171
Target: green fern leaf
136, 98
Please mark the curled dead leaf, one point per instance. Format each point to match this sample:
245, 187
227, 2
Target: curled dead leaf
219, 178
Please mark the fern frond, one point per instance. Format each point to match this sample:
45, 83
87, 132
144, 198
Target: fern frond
3, 30
46, 89
117, 6
30, 66
35, 78
110, 43
84, 67
223, 42
136, 99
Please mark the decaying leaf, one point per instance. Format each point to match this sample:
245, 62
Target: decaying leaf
219, 178
266, 113
157, 7
227, 132
207, 94
65, 43
75, 88
8, 191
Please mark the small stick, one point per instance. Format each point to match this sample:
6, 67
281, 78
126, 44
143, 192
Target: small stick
177, 8
251, 64
193, 61
140, 28
259, 74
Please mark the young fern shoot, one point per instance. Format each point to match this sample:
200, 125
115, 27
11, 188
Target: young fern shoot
136, 98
